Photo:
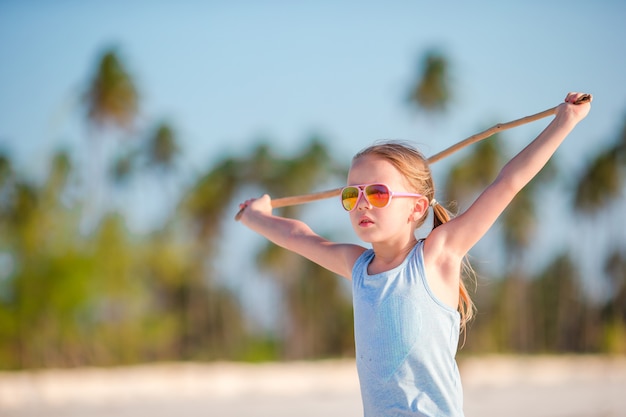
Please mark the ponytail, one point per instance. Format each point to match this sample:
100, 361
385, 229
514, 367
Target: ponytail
441, 215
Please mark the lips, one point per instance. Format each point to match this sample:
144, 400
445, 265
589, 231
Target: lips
365, 221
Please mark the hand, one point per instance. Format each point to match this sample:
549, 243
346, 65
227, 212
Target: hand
262, 205
576, 111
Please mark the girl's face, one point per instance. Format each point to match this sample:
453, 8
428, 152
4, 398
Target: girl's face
397, 220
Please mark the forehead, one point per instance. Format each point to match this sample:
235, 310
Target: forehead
371, 169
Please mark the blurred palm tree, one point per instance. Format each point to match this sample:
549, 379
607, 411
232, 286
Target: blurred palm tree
208, 199
112, 103
475, 170
45, 290
601, 183
212, 320
111, 98
511, 319
600, 186
6, 189
6, 169
558, 308
318, 316
431, 91
123, 168
162, 148
615, 310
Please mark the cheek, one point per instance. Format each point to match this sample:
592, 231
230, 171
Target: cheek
402, 209
394, 216
354, 219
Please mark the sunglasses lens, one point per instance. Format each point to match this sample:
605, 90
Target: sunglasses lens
378, 195
349, 197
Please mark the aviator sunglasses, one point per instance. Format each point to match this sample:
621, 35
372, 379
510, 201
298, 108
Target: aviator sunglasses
378, 195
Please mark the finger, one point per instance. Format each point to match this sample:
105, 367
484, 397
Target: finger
571, 97
578, 98
583, 98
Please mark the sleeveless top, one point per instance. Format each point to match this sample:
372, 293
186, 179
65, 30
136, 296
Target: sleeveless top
406, 342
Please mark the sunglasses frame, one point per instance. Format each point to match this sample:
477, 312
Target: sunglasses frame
362, 194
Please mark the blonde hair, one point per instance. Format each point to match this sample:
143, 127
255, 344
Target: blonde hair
412, 164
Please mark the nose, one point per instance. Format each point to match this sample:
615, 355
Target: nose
363, 203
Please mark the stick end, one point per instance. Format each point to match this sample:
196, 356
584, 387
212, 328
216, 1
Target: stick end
239, 214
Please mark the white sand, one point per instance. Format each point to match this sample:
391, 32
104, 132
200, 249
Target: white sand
566, 386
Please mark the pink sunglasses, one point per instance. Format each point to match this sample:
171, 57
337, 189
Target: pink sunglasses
378, 195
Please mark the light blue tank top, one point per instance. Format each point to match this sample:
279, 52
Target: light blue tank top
406, 342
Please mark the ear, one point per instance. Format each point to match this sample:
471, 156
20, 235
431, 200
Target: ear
420, 209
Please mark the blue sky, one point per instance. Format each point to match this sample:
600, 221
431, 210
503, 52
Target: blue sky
225, 74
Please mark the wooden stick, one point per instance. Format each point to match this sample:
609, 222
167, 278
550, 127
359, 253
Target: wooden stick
307, 198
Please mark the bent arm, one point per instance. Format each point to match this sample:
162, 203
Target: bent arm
464, 231
298, 237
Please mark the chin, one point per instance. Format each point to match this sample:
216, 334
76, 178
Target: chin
367, 236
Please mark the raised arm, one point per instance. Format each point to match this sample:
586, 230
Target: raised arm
298, 237
464, 231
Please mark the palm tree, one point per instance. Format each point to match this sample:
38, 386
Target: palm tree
466, 179
475, 171
599, 187
558, 309
601, 182
162, 147
317, 320
112, 99
614, 312
6, 185
431, 91
210, 317
46, 288
205, 204
112, 103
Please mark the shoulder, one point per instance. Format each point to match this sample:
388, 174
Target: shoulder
356, 255
339, 258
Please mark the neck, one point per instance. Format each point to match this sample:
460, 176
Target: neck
389, 255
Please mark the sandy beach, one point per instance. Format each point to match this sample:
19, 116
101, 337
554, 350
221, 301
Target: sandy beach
550, 386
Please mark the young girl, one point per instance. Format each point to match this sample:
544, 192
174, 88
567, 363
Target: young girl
410, 303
